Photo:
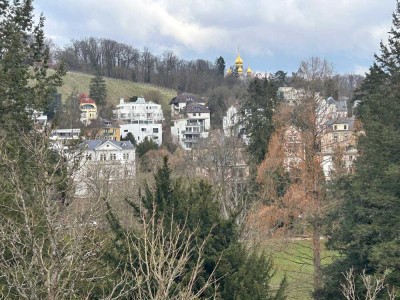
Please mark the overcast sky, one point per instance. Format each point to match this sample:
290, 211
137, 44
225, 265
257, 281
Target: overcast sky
270, 34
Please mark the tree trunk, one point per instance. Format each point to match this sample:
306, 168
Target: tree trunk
317, 255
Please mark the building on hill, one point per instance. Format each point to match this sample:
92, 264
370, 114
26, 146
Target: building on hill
102, 166
62, 139
103, 129
179, 102
126, 112
142, 119
192, 124
336, 130
338, 146
88, 109
233, 125
238, 69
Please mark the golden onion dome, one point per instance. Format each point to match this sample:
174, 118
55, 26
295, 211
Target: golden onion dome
240, 70
229, 72
249, 71
238, 60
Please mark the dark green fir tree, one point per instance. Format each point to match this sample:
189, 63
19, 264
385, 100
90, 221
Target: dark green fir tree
98, 90
366, 225
258, 111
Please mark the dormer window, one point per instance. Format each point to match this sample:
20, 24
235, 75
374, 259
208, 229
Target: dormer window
345, 127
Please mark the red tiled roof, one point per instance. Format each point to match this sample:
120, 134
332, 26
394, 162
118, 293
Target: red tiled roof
83, 98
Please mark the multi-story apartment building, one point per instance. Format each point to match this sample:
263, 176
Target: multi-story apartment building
193, 124
142, 119
102, 164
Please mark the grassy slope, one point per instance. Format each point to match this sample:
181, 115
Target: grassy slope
294, 258
116, 88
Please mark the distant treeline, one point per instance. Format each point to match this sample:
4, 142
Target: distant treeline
122, 61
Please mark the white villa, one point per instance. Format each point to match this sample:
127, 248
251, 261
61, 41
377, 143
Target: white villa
102, 164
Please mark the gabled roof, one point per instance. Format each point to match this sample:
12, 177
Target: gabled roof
96, 144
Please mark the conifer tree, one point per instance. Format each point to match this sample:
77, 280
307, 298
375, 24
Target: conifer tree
192, 205
258, 110
98, 90
365, 227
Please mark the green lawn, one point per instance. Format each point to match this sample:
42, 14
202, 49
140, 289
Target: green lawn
116, 88
294, 258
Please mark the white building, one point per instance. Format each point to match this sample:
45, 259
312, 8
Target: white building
142, 119
102, 166
61, 139
65, 134
142, 129
126, 112
193, 125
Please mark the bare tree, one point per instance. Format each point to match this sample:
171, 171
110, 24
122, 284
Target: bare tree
373, 286
159, 258
292, 178
47, 250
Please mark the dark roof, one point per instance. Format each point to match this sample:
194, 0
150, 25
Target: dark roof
348, 121
185, 98
193, 108
341, 105
94, 144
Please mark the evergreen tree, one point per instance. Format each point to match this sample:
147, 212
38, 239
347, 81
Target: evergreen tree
146, 145
258, 110
23, 60
220, 66
365, 227
98, 90
129, 137
192, 205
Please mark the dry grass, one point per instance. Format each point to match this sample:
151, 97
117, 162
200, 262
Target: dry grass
116, 88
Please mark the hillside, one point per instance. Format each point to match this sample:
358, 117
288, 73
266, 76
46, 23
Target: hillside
116, 88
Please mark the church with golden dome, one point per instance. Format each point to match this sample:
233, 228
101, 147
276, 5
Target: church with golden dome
237, 70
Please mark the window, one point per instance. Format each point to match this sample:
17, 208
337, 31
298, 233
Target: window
334, 127
113, 156
89, 157
126, 156
345, 127
126, 130
335, 139
102, 157
155, 130
143, 129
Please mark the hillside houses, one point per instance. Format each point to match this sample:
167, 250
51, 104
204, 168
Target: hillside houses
190, 119
142, 119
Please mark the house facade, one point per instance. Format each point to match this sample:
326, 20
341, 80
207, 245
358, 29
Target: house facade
142, 119
88, 109
338, 146
192, 124
102, 166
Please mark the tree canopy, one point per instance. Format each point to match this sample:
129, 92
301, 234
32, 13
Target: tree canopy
365, 226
